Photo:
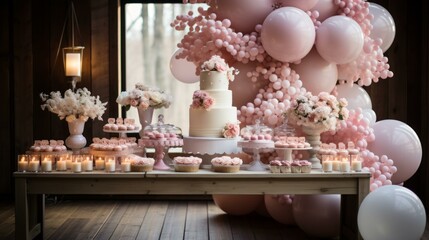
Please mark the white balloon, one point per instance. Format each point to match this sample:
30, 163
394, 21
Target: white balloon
383, 25
356, 96
391, 213
370, 115
182, 69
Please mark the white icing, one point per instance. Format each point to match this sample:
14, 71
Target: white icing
203, 123
213, 80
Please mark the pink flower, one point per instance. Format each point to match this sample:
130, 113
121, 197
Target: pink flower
208, 103
231, 130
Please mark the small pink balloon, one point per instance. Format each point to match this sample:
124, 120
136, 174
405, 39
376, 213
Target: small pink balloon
318, 215
317, 75
244, 16
326, 9
243, 89
183, 70
238, 204
383, 25
288, 34
339, 39
281, 212
303, 5
356, 96
400, 143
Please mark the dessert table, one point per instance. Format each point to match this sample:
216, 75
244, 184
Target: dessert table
31, 187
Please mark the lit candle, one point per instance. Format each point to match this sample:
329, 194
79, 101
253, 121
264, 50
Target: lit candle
126, 166
33, 166
87, 164
46, 165
69, 163
77, 167
99, 164
61, 165
22, 163
110, 165
327, 166
336, 165
73, 64
356, 165
345, 166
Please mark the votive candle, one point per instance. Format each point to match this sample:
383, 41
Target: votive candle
126, 166
99, 164
327, 166
69, 162
47, 164
345, 166
336, 165
33, 165
87, 164
61, 165
110, 165
22, 163
77, 164
356, 165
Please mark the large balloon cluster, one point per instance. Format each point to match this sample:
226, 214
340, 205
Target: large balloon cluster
285, 48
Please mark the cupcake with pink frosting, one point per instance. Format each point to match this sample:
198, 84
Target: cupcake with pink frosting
275, 166
305, 166
141, 164
226, 164
187, 164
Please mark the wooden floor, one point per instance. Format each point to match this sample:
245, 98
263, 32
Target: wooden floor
144, 219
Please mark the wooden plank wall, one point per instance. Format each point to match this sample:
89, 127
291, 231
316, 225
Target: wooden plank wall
30, 30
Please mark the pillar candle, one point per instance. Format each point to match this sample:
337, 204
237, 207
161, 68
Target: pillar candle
357, 166
76, 167
46, 165
87, 165
69, 163
125, 166
327, 166
99, 164
22, 163
33, 166
73, 64
336, 166
61, 165
110, 165
345, 166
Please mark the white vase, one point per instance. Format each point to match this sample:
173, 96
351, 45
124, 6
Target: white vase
76, 140
312, 136
145, 117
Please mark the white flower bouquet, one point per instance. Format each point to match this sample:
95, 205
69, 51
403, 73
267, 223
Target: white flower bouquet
216, 63
74, 105
321, 111
143, 97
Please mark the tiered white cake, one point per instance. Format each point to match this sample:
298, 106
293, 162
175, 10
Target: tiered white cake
211, 111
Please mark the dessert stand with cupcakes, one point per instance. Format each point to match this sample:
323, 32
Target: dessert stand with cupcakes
121, 126
161, 137
256, 138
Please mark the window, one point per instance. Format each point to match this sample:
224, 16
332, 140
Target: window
147, 44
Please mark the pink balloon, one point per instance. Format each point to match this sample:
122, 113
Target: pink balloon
339, 39
383, 25
400, 143
317, 75
280, 212
243, 89
303, 5
183, 70
288, 34
318, 215
356, 96
238, 204
326, 8
244, 16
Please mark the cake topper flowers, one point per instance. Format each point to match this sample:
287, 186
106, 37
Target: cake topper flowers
74, 105
143, 97
216, 63
321, 111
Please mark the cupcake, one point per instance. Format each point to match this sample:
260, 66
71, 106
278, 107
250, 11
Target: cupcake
285, 167
187, 164
140, 164
305, 166
275, 166
226, 164
295, 167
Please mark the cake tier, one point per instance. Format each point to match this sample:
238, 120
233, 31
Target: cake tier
213, 80
203, 123
202, 145
223, 98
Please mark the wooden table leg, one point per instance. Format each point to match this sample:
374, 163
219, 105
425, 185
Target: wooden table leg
21, 210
